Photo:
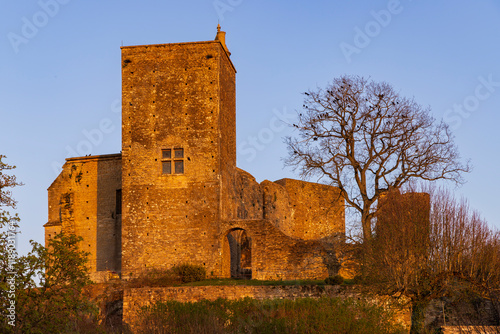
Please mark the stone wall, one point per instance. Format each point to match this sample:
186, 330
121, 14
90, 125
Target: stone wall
183, 96
134, 299
306, 210
470, 329
299, 209
276, 256
83, 201
176, 96
180, 97
454, 312
248, 199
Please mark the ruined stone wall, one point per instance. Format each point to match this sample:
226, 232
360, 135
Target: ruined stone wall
175, 96
248, 199
292, 226
82, 201
275, 256
299, 209
315, 211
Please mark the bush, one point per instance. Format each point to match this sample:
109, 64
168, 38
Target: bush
154, 277
334, 280
189, 272
182, 273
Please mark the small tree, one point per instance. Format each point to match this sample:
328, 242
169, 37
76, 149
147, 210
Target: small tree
6, 200
8, 222
45, 287
424, 250
8, 230
49, 288
366, 139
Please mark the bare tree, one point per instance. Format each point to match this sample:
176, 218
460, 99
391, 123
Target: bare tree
365, 139
432, 246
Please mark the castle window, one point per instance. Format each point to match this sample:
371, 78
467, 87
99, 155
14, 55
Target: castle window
118, 207
177, 160
166, 167
179, 153
179, 167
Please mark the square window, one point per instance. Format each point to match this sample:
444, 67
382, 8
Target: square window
172, 163
179, 167
178, 153
166, 167
166, 154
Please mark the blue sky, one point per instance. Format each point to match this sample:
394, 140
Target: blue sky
60, 75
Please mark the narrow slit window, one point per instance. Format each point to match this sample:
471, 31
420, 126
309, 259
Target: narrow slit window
118, 202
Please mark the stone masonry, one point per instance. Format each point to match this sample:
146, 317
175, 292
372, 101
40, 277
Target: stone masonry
174, 194
136, 299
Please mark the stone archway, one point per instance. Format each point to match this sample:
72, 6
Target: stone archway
240, 249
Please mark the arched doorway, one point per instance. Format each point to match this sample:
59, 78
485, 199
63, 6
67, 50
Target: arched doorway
240, 249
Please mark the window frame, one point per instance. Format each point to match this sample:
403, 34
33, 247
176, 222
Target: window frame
172, 156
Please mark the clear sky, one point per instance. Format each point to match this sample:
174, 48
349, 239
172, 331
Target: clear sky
60, 76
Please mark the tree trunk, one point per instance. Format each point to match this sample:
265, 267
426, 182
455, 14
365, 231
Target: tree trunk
417, 317
367, 244
366, 225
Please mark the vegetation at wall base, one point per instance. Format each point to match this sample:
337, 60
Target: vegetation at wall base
305, 315
189, 272
334, 280
175, 276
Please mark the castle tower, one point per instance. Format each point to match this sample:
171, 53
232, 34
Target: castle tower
178, 152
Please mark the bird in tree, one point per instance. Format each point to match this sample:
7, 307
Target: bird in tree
364, 138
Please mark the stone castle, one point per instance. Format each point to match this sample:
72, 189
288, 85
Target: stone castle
174, 194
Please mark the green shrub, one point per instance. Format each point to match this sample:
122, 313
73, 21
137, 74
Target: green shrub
154, 277
334, 280
182, 273
189, 272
